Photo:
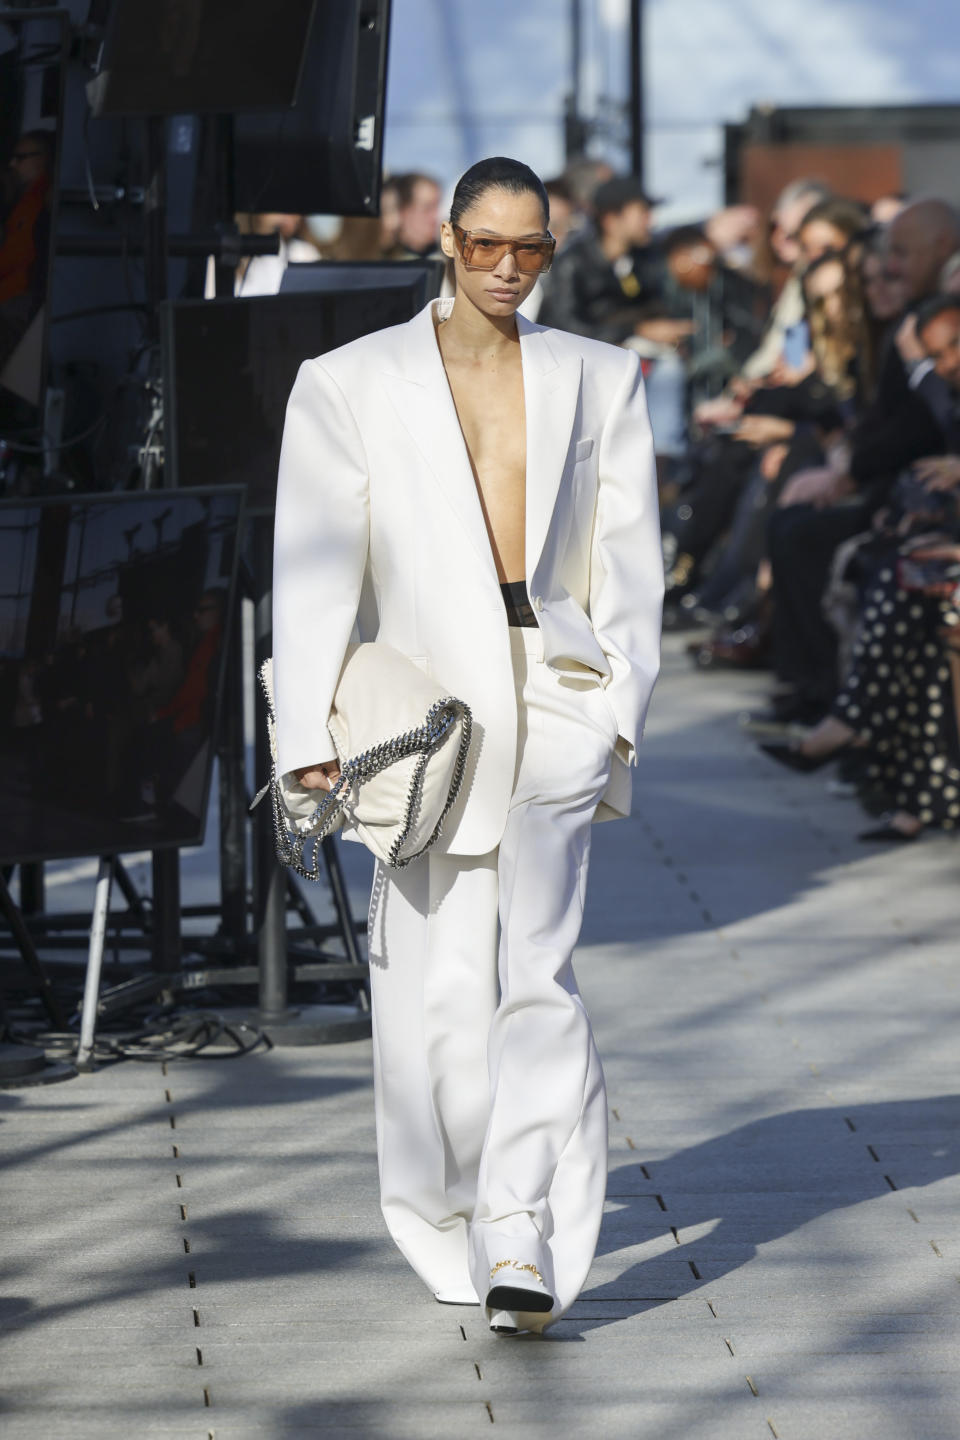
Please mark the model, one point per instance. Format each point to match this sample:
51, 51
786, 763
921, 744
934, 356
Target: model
479, 492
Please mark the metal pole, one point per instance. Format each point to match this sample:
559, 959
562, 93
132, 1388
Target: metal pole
165, 936
574, 128
637, 125
24, 942
91, 984
271, 886
233, 794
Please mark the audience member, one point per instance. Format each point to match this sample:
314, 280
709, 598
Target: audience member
896, 709
608, 282
418, 216
24, 235
583, 177
262, 274
823, 506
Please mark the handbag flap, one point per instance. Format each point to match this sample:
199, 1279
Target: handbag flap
381, 694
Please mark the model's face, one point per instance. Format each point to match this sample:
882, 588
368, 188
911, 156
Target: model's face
497, 292
940, 338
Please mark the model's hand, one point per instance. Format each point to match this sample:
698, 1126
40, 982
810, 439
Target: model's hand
319, 777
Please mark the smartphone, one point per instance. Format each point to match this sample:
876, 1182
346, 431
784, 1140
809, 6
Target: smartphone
922, 574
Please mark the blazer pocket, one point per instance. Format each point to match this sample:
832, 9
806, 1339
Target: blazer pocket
583, 450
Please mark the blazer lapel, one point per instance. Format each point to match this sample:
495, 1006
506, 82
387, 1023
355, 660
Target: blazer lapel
551, 393
421, 396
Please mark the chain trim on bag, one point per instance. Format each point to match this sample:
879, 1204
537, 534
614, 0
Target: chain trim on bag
425, 740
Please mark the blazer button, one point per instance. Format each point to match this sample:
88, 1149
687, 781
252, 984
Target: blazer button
537, 602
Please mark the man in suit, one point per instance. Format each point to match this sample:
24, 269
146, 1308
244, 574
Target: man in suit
478, 492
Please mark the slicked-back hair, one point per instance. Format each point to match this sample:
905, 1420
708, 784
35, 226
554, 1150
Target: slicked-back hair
497, 173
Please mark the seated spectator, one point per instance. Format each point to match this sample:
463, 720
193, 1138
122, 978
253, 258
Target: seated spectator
583, 178
565, 220
723, 305
887, 207
897, 703
608, 281
418, 217
24, 235
736, 233
262, 274
829, 226
822, 507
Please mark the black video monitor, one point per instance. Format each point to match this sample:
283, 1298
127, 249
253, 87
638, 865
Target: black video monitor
229, 367
33, 48
423, 278
323, 156
114, 613
175, 57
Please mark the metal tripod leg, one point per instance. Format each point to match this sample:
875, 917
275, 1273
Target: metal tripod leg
24, 943
91, 985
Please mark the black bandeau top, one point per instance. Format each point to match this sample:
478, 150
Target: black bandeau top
517, 605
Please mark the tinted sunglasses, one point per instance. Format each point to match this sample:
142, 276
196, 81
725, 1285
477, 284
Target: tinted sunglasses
484, 252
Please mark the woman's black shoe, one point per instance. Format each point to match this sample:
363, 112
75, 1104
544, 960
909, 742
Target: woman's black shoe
795, 759
888, 834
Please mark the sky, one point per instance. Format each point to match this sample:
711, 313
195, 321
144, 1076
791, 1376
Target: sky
466, 80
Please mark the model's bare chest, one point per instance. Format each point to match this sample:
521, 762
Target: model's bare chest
490, 407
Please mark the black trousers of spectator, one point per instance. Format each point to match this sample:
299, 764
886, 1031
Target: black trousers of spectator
802, 541
708, 501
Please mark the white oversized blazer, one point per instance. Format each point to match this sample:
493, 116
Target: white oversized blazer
379, 527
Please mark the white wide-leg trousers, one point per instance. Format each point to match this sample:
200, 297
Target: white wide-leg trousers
490, 1102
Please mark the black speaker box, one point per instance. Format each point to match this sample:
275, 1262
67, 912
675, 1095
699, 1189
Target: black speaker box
322, 156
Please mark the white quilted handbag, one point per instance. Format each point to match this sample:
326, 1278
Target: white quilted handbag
402, 744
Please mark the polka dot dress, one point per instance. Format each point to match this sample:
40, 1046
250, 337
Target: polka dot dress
898, 697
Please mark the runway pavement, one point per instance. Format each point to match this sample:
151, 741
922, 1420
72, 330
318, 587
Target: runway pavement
199, 1254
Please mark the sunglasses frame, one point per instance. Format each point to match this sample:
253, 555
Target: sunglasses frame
512, 247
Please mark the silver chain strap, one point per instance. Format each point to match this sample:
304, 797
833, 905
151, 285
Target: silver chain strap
425, 741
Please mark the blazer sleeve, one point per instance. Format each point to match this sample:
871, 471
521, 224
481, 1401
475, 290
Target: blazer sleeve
626, 563
321, 536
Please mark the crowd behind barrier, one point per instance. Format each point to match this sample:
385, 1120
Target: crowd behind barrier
803, 380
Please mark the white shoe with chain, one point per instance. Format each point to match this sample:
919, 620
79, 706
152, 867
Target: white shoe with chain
515, 1285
